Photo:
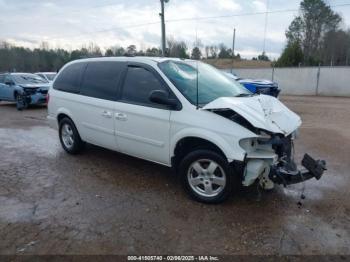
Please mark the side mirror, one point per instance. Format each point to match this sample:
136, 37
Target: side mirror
161, 97
9, 83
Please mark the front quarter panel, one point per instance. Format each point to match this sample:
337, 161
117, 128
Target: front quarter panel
203, 124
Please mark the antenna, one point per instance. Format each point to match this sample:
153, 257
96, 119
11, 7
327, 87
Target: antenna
233, 48
265, 29
197, 85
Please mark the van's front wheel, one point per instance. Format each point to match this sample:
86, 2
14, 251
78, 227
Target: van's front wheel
206, 176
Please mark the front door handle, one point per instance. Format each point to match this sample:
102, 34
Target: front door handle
121, 116
107, 114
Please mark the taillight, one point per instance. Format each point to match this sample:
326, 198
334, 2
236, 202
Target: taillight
47, 98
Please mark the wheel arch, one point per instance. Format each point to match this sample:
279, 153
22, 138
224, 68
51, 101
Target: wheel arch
183, 142
62, 113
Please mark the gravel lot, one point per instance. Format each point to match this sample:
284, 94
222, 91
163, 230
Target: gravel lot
102, 202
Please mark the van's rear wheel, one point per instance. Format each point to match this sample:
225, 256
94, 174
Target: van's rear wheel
206, 176
69, 136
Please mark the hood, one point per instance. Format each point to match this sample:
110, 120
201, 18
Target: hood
262, 111
41, 86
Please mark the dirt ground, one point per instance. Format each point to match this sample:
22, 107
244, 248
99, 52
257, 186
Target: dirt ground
103, 202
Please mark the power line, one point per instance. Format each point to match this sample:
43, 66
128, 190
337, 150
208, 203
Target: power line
186, 19
243, 14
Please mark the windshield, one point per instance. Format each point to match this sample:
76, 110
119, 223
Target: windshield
50, 76
28, 79
212, 83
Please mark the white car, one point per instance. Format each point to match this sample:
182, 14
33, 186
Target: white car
48, 76
182, 114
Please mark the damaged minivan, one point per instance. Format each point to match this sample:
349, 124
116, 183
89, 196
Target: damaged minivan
183, 114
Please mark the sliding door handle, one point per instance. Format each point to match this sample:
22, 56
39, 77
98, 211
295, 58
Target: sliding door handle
106, 114
121, 116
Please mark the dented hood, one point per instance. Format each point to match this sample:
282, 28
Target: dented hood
262, 111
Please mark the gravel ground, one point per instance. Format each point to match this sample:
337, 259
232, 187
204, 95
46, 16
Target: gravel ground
103, 202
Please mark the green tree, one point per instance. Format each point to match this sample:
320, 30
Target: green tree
263, 57
315, 20
196, 53
292, 55
336, 48
224, 52
176, 48
131, 49
109, 52
153, 51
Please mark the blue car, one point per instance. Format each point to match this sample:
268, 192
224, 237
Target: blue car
257, 86
23, 88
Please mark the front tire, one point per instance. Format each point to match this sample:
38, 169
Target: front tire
69, 137
206, 176
21, 102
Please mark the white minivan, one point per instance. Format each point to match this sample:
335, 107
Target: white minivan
183, 114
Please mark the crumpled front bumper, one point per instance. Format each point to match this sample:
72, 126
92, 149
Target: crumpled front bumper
37, 98
286, 176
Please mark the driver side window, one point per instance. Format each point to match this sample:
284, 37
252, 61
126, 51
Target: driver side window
138, 84
8, 79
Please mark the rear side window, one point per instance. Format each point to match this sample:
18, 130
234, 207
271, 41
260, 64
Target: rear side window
138, 85
2, 79
69, 79
101, 79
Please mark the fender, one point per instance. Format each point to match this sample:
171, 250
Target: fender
17, 90
231, 151
67, 112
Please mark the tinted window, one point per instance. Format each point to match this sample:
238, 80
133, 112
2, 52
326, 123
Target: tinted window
2, 79
8, 79
69, 79
101, 79
138, 84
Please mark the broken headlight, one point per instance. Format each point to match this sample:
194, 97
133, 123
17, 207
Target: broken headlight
249, 144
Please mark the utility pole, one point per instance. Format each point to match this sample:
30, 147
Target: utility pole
265, 28
233, 48
163, 24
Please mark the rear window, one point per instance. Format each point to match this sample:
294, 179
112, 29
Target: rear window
101, 79
69, 79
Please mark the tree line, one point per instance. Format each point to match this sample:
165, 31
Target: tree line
316, 37
43, 58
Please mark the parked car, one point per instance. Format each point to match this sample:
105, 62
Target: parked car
48, 76
23, 88
258, 86
184, 114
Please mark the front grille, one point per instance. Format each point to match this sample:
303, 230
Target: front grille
30, 91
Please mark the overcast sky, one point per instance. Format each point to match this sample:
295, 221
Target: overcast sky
72, 24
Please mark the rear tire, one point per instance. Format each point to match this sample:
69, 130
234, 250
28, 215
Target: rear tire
206, 176
69, 137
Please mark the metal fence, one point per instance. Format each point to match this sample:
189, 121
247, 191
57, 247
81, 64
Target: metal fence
322, 81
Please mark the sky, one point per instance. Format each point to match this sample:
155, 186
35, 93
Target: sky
72, 24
